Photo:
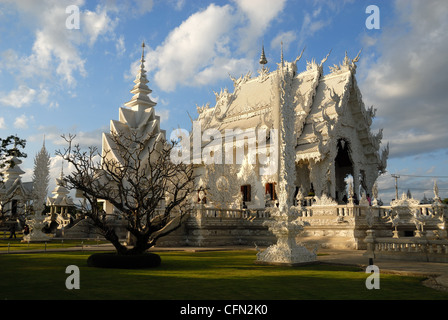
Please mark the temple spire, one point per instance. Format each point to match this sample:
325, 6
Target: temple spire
141, 100
263, 59
281, 56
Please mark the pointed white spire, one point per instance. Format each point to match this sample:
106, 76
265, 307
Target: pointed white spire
141, 100
41, 178
282, 60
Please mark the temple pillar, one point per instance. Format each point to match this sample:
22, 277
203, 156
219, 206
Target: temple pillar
331, 180
317, 177
356, 182
284, 223
303, 177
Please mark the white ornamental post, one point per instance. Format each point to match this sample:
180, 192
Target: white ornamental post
286, 225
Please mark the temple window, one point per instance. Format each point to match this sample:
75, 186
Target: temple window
14, 206
270, 188
246, 191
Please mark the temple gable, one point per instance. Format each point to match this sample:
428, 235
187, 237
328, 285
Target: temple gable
332, 137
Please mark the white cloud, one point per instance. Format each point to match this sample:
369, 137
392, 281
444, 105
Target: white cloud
312, 23
179, 4
21, 122
2, 123
164, 114
56, 49
211, 43
53, 105
407, 82
24, 96
119, 46
98, 22
19, 97
134, 67
260, 14
53, 136
287, 38
189, 54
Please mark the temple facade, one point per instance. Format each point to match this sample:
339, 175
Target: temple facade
283, 142
330, 136
60, 203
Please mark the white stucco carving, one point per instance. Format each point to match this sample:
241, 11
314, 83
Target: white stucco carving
36, 223
285, 224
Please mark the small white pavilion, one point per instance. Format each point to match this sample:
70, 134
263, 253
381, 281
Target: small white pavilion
60, 202
15, 195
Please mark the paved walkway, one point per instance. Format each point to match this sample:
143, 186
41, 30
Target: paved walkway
437, 273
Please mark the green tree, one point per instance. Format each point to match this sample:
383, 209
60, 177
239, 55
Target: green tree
9, 148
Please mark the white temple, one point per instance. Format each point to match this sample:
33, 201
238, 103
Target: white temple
273, 160
15, 195
60, 203
331, 136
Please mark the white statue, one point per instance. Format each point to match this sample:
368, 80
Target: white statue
36, 224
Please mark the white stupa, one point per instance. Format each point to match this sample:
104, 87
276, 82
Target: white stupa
138, 117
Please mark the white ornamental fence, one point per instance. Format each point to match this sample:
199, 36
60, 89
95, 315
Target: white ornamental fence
407, 248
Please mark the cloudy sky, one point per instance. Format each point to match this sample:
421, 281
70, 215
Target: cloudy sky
57, 79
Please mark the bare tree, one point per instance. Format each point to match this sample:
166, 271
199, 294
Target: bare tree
135, 174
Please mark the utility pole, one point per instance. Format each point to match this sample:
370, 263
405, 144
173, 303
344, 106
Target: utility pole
396, 176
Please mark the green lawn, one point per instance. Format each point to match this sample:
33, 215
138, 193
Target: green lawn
197, 276
16, 244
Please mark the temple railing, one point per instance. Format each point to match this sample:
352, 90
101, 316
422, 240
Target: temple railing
343, 210
407, 248
411, 245
228, 213
339, 210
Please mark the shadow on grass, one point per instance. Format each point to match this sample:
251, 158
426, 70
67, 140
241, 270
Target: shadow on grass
198, 276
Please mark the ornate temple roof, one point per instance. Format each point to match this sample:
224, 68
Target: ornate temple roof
323, 104
12, 181
137, 115
61, 194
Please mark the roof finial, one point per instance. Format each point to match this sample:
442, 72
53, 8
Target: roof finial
263, 59
141, 100
281, 57
143, 51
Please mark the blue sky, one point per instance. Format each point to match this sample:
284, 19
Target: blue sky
56, 80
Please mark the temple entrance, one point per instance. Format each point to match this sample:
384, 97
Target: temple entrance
343, 169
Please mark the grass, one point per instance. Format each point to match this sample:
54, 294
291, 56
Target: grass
220, 275
16, 244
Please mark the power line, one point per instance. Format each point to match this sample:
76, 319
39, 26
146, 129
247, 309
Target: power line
411, 175
411, 188
396, 184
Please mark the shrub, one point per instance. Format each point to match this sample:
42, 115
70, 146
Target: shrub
114, 260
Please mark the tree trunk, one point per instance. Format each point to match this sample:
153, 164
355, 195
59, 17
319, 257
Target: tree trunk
113, 238
140, 246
